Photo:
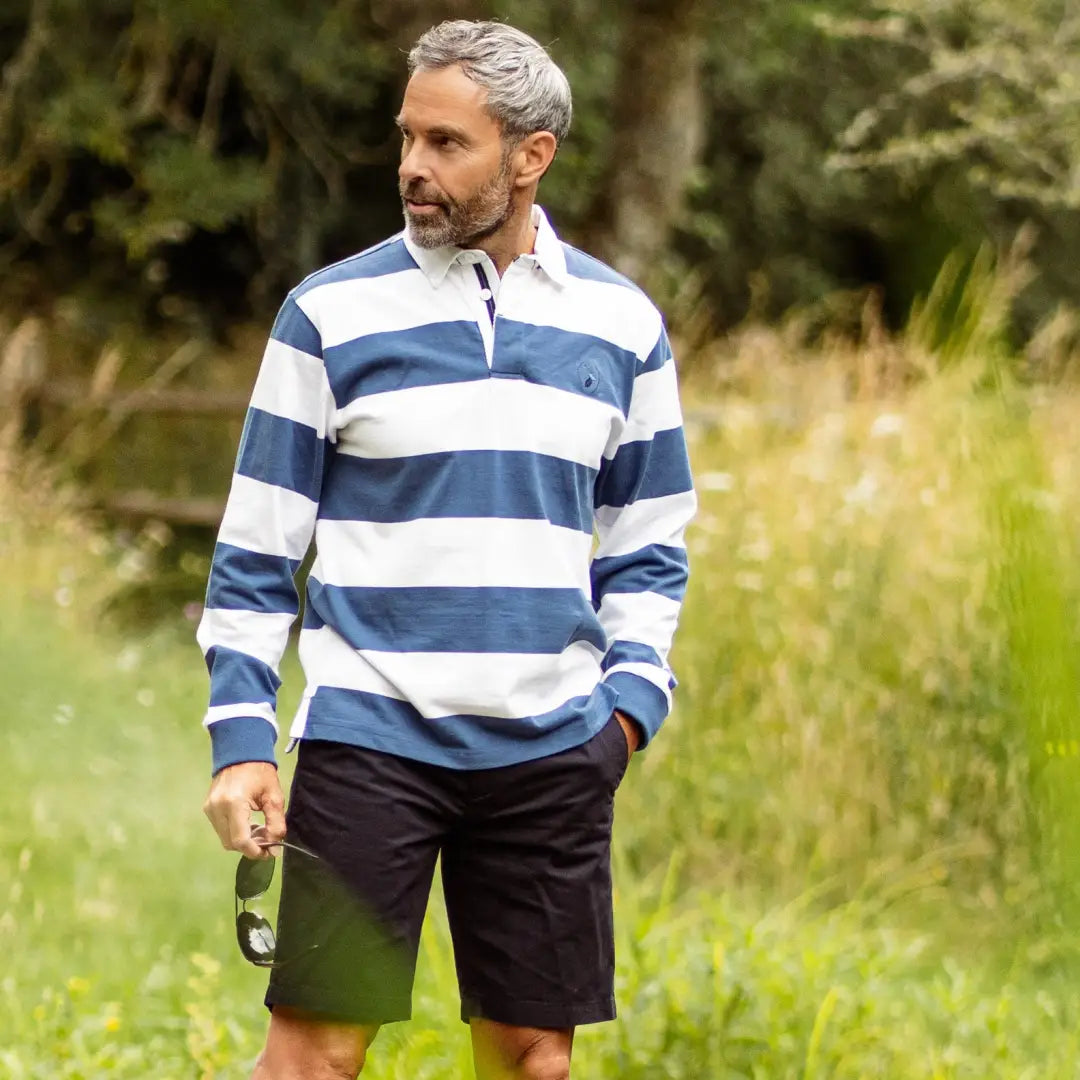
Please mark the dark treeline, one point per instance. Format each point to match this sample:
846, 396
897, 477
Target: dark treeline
186, 161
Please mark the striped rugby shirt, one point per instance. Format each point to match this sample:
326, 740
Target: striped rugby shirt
452, 441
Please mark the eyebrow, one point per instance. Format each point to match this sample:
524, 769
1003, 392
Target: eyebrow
446, 130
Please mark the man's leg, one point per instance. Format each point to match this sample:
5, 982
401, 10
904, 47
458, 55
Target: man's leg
527, 880
301, 1047
505, 1052
349, 920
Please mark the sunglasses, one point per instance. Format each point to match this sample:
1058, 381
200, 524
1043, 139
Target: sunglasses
254, 934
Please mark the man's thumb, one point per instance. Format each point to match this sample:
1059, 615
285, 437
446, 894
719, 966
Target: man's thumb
273, 807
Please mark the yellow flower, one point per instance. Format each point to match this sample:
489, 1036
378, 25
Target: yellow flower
112, 1023
77, 985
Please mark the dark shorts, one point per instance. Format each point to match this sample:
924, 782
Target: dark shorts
526, 870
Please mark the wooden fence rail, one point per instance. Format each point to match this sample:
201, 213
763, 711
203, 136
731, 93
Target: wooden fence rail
102, 409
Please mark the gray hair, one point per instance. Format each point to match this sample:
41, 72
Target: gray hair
527, 91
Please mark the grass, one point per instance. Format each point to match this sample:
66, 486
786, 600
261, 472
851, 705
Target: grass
841, 859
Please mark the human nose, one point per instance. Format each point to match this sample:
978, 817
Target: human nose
413, 166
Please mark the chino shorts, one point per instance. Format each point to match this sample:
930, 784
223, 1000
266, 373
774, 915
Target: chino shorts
526, 871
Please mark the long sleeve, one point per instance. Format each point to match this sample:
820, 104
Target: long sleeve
251, 599
644, 500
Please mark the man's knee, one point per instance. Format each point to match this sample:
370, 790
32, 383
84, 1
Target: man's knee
544, 1061
505, 1052
299, 1047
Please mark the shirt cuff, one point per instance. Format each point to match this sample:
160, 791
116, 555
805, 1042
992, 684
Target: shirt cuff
641, 701
241, 738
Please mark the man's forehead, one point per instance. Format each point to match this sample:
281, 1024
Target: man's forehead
446, 95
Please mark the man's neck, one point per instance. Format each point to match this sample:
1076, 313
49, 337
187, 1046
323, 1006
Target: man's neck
516, 237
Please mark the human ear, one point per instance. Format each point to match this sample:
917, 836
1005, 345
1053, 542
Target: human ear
535, 154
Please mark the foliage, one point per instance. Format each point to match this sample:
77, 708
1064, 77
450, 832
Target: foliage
189, 162
988, 110
161, 123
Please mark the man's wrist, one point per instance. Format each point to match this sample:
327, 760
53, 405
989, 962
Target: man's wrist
635, 733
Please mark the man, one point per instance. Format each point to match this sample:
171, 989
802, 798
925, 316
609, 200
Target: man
451, 413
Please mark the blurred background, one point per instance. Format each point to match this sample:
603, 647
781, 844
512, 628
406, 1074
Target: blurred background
853, 851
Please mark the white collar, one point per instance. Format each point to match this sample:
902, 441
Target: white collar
547, 252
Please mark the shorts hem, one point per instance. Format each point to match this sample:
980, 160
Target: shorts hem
541, 1014
336, 1012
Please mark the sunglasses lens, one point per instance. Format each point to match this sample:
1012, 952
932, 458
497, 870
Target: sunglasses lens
253, 877
255, 937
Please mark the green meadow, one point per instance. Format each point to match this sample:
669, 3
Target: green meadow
848, 855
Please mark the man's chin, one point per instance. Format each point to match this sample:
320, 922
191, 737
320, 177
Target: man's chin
425, 234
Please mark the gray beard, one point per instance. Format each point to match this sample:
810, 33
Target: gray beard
465, 224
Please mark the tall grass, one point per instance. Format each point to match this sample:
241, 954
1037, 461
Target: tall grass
829, 864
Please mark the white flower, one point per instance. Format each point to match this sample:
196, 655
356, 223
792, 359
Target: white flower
716, 481
749, 581
885, 425
863, 491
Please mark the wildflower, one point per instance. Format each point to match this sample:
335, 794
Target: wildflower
749, 581
863, 492
885, 425
112, 1023
77, 986
129, 657
757, 550
843, 579
716, 481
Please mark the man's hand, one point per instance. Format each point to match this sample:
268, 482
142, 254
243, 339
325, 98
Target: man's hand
631, 731
234, 793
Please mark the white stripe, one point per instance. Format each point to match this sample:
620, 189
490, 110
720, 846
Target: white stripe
262, 709
462, 552
294, 385
506, 685
658, 677
625, 529
486, 414
598, 308
654, 405
259, 634
267, 519
299, 723
346, 310
647, 618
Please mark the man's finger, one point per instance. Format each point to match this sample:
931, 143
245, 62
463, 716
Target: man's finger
239, 832
273, 807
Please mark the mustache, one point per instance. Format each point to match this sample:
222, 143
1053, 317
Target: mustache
415, 191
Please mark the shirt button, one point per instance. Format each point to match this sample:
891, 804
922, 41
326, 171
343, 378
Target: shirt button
485, 294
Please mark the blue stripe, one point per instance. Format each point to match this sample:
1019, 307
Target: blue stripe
581, 265
448, 352
641, 700
578, 363
389, 257
648, 469
656, 568
660, 355
243, 580
456, 742
236, 678
449, 619
243, 738
631, 652
282, 452
469, 484
293, 327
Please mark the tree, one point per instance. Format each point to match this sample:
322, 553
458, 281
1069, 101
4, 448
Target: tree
656, 138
